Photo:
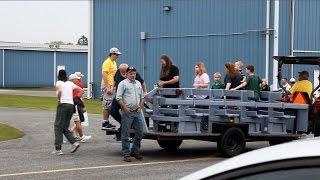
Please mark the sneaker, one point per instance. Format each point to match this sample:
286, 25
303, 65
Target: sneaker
75, 147
137, 156
84, 138
107, 125
127, 158
57, 152
131, 140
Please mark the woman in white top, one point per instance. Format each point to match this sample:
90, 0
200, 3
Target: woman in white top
64, 91
201, 79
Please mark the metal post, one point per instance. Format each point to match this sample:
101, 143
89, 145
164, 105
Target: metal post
292, 23
90, 53
3, 68
276, 43
267, 40
54, 67
143, 59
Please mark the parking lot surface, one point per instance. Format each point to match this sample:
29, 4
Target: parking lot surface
29, 157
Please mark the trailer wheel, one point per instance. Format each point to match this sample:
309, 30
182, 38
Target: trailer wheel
232, 142
169, 145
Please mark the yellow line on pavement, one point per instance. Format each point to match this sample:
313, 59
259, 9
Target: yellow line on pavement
104, 167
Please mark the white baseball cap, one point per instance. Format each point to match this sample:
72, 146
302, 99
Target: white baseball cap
292, 80
115, 50
73, 76
79, 74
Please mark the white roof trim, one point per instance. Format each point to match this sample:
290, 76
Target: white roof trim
42, 47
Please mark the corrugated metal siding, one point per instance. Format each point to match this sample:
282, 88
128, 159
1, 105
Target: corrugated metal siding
284, 34
307, 25
28, 68
74, 62
307, 28
119, 23
306, 32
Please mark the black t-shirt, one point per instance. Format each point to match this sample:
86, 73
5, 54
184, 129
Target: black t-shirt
236, 81
173, 71
118, 78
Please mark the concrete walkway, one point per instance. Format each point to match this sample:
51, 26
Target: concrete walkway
33, 92
25, 92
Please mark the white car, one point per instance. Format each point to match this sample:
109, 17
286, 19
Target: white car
289, 161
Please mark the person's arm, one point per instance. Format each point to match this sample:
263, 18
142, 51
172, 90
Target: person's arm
58, 91
109, 86
228, 86
227, 80
291, 91
242, 85
141, 104
172, 81
105, 75
119, 96
59, 94
144, 88
76, 87
123, 106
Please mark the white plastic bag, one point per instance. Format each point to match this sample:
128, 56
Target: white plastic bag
86, 120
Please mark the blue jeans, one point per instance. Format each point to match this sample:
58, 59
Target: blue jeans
128, 120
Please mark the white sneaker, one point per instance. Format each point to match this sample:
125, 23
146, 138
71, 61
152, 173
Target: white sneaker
57, 152
84, 138
75, 147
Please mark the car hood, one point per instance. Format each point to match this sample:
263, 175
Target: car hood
297, 149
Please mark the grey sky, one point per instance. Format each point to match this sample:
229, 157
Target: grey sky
43, 21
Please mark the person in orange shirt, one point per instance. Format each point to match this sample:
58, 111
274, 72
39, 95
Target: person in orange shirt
109, 68
302, 86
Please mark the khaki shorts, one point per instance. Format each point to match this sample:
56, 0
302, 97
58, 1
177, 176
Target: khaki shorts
106, 99
75, 116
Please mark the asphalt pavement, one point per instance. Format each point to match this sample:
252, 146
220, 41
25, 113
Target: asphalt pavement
29, 157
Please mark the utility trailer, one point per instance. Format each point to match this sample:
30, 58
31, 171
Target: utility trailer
229, 117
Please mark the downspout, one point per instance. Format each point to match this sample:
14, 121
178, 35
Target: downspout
292, 24
3, 68
90, 53
267, 40
54, 67
276, 43
143, 37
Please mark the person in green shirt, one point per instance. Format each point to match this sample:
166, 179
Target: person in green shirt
252, 82
217, 81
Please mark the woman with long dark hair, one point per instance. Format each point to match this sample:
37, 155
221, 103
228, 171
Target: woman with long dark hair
169, 74
233, 77
64, 91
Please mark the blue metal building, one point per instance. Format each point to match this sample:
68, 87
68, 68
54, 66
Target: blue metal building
214, 32
36, 65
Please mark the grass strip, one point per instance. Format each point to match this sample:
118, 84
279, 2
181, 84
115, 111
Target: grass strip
43, 103
8, 132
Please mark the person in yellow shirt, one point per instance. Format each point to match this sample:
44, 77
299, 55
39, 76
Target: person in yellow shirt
109, 68
303, 85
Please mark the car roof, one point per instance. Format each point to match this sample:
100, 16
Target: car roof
292, 150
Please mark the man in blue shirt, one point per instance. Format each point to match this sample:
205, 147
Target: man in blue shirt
130, 98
